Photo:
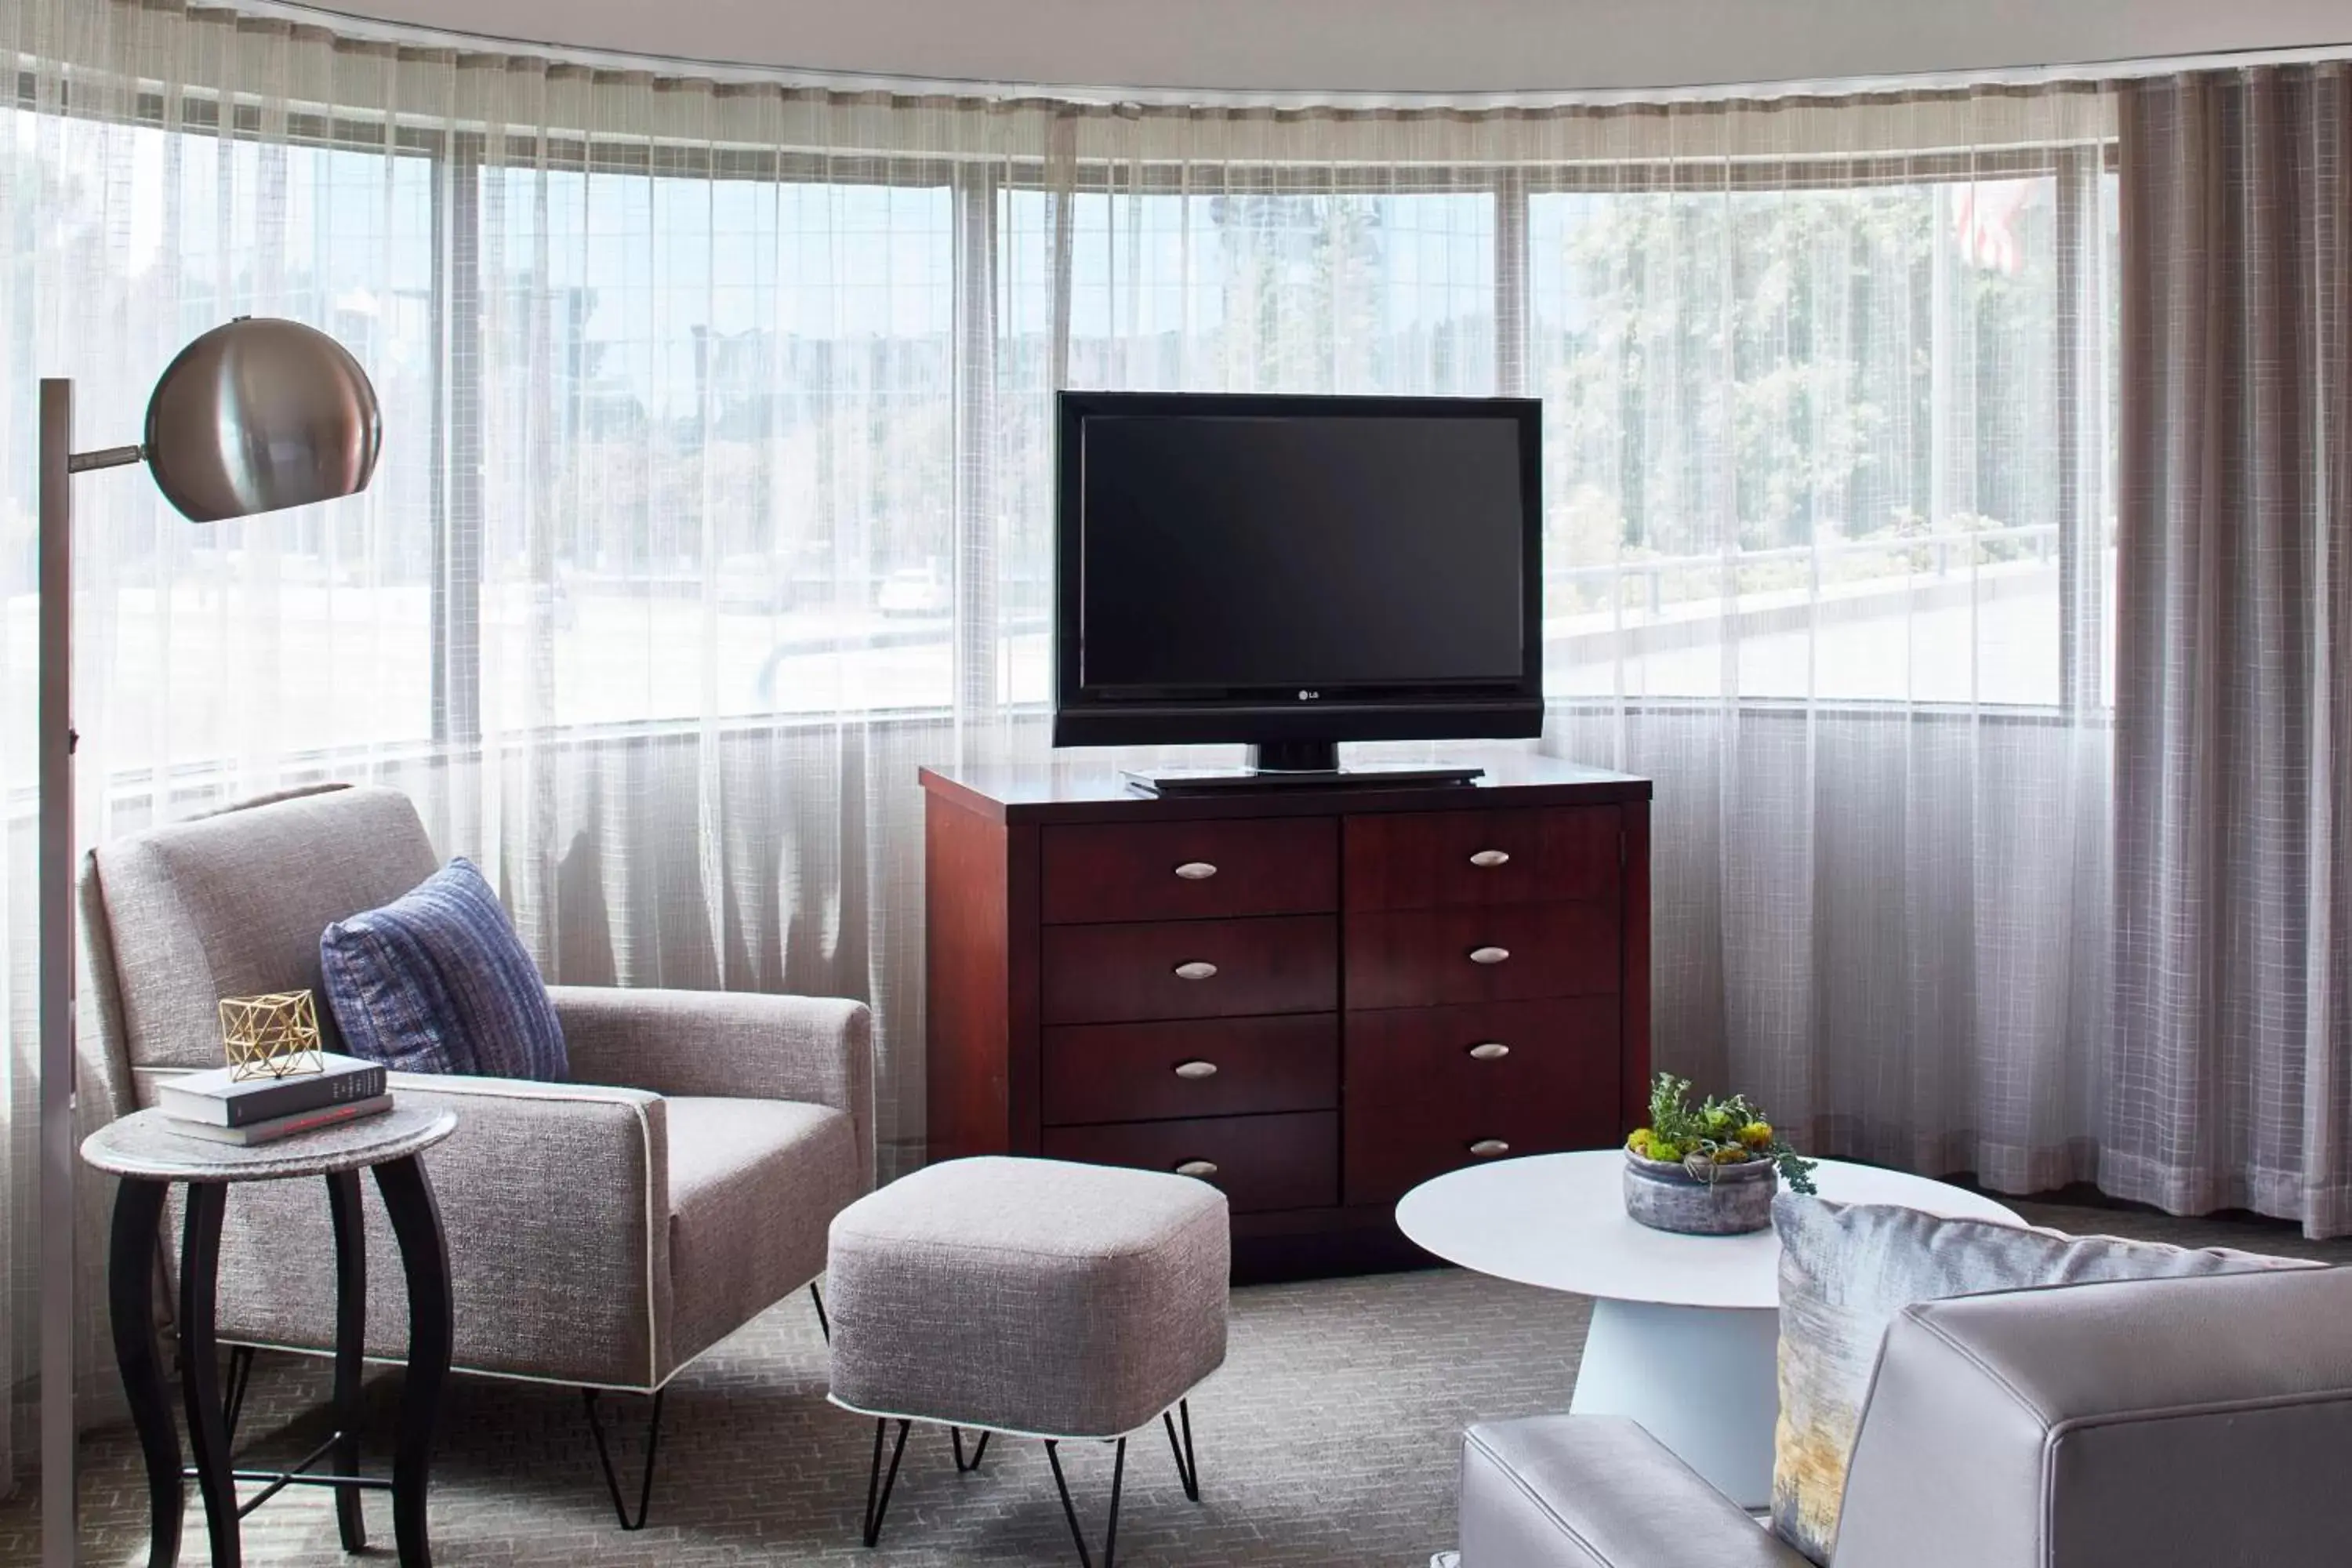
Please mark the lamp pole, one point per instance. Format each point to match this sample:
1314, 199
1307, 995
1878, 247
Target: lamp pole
60, 1540
59, 463
252, 416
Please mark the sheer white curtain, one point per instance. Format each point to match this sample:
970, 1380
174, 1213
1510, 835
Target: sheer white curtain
1829, 544
1832, 558
715, 498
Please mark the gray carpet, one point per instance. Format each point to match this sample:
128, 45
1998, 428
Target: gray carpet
1329, 1438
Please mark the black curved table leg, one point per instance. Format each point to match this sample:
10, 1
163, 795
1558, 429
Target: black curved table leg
200, 1369
432, 1328
129, 1283
351, 1346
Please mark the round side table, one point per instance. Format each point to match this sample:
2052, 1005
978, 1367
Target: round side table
143, 1149
1685, 1329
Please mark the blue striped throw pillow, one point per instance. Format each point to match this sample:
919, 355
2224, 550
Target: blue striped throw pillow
437, 981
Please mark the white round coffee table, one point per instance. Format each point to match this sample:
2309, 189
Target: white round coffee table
1685, 1329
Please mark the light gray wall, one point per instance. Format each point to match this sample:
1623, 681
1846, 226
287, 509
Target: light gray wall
1391, 45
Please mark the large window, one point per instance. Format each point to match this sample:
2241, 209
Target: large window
268, 623
1244, 282
691, 434
1267, 288
720, 443
1836, 442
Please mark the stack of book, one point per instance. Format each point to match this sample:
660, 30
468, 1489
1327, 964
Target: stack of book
226, 1109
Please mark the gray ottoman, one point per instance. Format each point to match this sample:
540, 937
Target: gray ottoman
1031, 1297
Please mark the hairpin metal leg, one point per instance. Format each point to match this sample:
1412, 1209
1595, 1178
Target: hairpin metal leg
240, 1373
877, 1485
823, 1327
1110, 1535
604, 1459
1188, 1469
955, 1436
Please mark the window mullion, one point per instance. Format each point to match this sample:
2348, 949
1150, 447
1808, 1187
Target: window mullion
1511, 261
2077, 378
976, 535
457, 519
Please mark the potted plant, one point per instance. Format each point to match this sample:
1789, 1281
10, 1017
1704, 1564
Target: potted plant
1707, 1170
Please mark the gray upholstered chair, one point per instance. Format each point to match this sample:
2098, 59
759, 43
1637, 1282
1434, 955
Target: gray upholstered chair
2109, 1426
603, 1233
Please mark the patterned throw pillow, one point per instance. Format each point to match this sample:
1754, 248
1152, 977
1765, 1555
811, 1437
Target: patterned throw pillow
1847, 1271
437, 981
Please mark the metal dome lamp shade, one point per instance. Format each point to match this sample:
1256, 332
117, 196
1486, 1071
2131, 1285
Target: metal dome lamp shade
253, 416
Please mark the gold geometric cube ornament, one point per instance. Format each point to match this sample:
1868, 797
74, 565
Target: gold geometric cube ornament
270, 1037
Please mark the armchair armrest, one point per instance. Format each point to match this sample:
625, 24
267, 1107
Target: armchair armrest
1598, 1491
2180, 1420
558, 1258
726, 1043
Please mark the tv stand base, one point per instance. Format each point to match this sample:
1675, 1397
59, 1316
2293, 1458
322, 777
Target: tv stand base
1214, 781
1295, 757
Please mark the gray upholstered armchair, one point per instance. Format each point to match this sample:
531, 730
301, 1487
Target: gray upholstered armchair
603, 1233
2111, 1425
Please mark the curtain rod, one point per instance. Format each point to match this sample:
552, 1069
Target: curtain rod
375, 30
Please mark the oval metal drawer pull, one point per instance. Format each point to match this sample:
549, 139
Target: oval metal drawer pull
1196, 871
1195, 970
1479, 955
1488, 1147
1196, 1069
1489, 1052
1487, 859
1203, 1169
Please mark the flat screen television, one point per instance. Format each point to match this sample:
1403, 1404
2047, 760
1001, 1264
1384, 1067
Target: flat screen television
1294, 572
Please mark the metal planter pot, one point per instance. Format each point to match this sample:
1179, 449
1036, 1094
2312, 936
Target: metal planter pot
1664, 1195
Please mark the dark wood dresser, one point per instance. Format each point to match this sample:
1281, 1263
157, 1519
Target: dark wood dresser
1314, 998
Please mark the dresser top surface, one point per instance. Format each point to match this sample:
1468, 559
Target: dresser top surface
1095, 791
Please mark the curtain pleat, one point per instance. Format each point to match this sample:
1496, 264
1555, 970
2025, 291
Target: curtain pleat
2233, 1022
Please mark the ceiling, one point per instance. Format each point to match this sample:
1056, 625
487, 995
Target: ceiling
1462, 46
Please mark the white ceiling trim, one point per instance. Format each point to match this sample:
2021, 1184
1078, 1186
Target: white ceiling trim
353, 25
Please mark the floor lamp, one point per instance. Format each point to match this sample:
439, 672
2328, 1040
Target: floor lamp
254, 415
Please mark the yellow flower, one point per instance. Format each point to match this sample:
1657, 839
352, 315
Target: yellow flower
1640, 1141
1730, 1156
1757, 1135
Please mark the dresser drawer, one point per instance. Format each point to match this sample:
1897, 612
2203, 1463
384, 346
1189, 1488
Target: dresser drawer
1189, 870
1190, 969
1429, 1091
1262, 1162
1414, 860
1409, 958
1198, 1067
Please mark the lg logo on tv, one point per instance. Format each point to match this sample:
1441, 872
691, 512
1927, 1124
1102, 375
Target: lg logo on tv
1308, 696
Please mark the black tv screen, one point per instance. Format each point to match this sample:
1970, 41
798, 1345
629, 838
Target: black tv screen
1261, 556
